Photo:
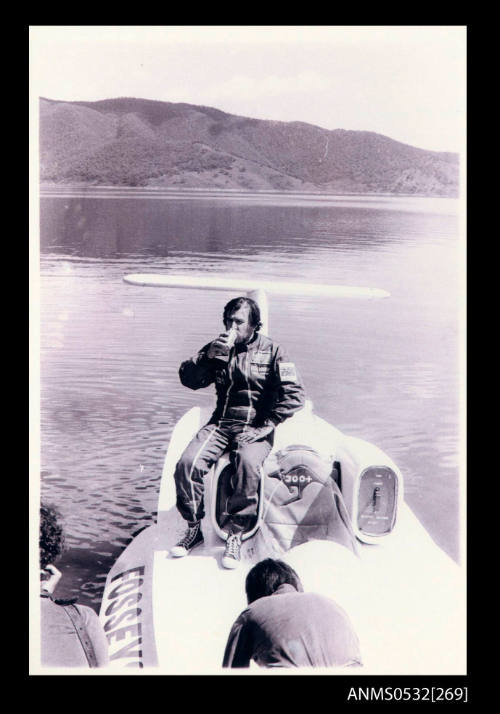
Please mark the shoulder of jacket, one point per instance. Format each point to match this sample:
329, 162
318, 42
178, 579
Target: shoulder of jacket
244, 617
265, 342
88, 614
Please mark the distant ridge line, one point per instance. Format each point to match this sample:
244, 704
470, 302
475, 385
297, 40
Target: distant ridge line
144, 142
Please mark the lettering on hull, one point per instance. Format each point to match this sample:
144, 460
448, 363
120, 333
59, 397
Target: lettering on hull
123, 618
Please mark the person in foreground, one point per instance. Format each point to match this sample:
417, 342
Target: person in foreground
257, 389
71, 635
285, 627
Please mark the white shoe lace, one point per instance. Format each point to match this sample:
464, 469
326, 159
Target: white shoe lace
233, 546
189, 537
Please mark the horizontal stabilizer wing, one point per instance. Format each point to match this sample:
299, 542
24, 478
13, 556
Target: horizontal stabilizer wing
245, 285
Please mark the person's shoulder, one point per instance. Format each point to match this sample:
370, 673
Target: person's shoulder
325, 602
245, 616
88, 613
267, 343
264, 340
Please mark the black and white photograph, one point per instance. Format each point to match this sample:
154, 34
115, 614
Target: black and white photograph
247, 351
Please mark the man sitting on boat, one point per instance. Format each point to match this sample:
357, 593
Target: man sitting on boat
285, 627
257, 388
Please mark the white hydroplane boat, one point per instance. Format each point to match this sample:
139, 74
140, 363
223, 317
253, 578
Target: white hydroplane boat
331, 505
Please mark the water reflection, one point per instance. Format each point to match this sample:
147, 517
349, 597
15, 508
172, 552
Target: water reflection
95, 228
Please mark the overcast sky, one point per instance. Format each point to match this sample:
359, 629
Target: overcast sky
406, 82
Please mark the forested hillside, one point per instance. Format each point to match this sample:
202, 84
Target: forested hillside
138, 142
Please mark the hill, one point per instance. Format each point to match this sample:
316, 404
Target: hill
138, 142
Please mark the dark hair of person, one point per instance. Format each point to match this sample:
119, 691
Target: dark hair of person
267, 576
51, 539
236, 303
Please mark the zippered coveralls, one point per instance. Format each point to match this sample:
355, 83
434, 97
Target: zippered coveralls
258, 386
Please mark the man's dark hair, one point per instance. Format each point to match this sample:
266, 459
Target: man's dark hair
236, 303
266, 577
51, 539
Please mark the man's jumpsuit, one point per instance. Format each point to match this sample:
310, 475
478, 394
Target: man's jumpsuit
258, 386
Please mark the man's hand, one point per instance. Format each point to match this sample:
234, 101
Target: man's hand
253, 433
55, 575
219, 346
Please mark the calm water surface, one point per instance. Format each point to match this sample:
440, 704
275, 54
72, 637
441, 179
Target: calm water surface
383, 370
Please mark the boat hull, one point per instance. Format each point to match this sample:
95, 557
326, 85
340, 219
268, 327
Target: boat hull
404, 596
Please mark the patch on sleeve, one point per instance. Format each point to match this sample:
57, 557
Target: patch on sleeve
287, 372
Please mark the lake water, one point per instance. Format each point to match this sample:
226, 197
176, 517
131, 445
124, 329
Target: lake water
383, 370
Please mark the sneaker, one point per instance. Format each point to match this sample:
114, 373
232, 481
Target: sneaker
192, 537
231, 556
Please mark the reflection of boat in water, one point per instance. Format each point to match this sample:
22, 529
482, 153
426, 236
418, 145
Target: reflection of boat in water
333, 507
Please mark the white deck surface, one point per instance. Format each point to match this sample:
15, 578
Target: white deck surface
406, 604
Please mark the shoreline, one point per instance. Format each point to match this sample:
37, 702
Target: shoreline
45, 187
